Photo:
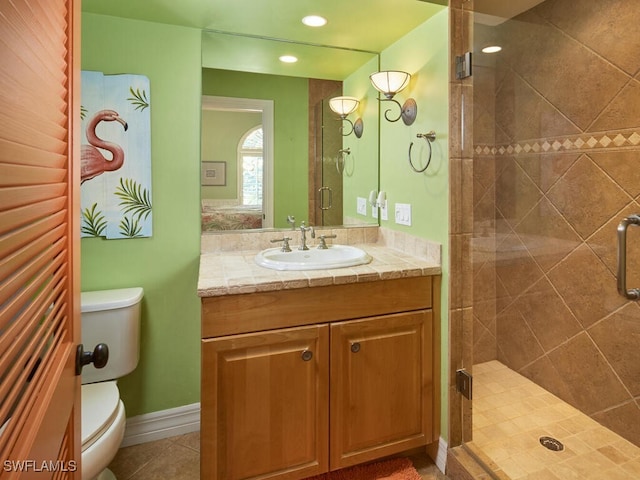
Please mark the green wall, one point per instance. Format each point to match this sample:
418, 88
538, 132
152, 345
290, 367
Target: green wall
423, 52
165, 265
361, 173
291, 130
221, 134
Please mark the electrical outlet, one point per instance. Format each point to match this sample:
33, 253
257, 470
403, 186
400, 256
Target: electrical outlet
374, 211
361, 206
384, 211
403, 214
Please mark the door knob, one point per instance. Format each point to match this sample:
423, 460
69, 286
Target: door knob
98, 357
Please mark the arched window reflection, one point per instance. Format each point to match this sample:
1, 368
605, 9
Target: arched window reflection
250, 167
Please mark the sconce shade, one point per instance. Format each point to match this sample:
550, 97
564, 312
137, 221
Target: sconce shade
343, 106
390, 82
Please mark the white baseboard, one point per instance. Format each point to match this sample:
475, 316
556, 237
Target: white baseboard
165, 423
441, 457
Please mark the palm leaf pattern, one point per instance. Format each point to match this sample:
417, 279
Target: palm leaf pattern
130, 228
139, 99
134, 198
83, 112
94, 223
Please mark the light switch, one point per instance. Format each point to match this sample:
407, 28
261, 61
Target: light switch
403, 214
361, 206
384, 210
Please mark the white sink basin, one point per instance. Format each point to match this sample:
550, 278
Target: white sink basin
335, 256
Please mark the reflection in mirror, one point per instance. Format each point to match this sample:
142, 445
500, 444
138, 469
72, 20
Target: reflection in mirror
315, 173
237, 132
326, 166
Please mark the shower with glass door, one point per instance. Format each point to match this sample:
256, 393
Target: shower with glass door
550, 141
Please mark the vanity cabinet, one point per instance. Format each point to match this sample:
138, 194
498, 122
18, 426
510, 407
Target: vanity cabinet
299, 382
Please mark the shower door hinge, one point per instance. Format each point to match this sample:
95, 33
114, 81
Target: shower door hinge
464, 383
463, 66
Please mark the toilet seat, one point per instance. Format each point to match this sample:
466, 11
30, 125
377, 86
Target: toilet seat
99, 408
103, 423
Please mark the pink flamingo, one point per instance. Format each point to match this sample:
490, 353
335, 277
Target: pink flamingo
92, 162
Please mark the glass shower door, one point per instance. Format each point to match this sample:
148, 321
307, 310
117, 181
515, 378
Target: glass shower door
555, 129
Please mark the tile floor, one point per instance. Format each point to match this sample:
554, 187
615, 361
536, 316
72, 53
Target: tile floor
511, 413
175, 458
178, 458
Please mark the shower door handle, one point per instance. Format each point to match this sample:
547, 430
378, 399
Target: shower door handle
632, 293
321, 191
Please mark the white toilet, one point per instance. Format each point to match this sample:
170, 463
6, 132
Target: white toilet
111, 317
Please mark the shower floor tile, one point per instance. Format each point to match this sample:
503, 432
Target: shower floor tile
511, 414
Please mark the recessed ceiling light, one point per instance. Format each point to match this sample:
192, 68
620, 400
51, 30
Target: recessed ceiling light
288, 59
492, 49
314, 21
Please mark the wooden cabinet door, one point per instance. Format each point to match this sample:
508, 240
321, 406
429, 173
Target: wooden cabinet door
381, 387
265, 404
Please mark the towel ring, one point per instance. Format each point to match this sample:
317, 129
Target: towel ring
429, 137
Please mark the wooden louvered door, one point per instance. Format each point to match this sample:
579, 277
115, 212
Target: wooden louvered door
39, 239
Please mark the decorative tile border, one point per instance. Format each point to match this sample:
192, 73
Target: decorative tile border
581, 142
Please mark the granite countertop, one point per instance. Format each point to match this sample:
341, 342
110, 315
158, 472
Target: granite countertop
235, 272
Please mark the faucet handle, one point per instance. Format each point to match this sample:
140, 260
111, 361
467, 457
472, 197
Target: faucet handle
323, 243
285, 243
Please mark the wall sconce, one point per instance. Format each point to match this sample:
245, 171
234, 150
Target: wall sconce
389, 83
343, 106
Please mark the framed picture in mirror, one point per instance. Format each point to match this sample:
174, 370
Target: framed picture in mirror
214, 173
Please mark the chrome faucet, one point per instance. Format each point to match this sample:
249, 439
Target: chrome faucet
303, 236
291, 220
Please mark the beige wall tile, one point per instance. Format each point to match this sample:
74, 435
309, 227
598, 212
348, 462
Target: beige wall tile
550, 320
579, 362
617, 337
587, 197
586, 285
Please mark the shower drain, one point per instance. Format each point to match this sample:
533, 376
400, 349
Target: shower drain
552, 444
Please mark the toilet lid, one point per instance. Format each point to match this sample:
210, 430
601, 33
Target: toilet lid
99, 405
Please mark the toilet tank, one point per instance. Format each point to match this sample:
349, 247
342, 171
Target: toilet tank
112, 317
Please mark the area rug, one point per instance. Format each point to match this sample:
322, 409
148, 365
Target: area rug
393, 469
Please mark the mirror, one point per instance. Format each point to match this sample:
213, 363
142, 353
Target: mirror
271, 146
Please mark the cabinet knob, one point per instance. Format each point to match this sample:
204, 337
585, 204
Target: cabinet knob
307, 355
355, 347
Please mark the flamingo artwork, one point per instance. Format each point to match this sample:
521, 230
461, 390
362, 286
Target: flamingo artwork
92, 161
